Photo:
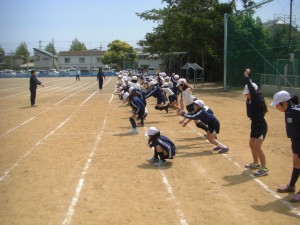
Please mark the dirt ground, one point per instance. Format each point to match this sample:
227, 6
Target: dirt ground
71, 160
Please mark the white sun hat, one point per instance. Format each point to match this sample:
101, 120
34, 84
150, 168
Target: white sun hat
152, 131
180, 81
199, 103
125, 95
281, 96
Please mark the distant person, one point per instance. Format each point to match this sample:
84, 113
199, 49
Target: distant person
100, 77
77, 74
33, 86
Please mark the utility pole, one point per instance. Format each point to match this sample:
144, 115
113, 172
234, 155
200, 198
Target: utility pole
40, 44
290, 26
53, 66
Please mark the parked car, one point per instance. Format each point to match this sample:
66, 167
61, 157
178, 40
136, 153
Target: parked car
72, 72
53, 72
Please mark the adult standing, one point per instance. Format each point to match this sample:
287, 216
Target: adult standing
100, 77
77, 74
291, 108
33, 83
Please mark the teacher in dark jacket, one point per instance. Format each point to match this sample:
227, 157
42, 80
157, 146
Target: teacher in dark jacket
33, 83
100, 77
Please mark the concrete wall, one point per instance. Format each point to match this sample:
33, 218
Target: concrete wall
270, 90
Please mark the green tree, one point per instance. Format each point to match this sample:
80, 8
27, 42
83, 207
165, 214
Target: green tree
2, 52
77, 45
22, 50
50, 48
119, 52
195, 27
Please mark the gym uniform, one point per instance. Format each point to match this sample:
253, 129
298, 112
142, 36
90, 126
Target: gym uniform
138, 109
292, 124
255, 111
207, 118
157, 93
167, 145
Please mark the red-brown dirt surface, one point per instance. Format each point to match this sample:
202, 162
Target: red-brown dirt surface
72, 160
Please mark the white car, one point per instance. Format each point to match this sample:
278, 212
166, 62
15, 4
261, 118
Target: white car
53, 72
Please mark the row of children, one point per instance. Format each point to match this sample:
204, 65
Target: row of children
204, 118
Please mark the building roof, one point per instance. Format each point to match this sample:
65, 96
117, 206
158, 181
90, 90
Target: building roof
25, 65
92, 52
44, 52
194, 66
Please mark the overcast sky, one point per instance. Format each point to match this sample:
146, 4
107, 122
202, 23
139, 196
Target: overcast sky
94, 22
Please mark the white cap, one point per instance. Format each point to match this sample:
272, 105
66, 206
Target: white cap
176, 77
125, 95
134, 78
130, 89
120, 76
199, 103
281, 96
167, 78
165, 85
152, 83
152, 131
246, 89
180, 81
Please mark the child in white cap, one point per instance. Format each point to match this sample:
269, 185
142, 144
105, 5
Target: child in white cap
291, 108
256, 110
212, 123
163, 147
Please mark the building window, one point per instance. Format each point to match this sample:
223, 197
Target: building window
98, 59
82, 60
67, 60
36, 58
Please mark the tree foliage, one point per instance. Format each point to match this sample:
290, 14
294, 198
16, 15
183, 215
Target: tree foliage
195, 27
2, 52
77, 45
50, 48
22, 50
118, 52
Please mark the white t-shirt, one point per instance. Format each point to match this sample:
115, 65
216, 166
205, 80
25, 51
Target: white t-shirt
187, 96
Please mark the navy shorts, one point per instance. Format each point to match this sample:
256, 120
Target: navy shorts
172, 98
296, 146
214, 127
190, 107
259, 129
161, 100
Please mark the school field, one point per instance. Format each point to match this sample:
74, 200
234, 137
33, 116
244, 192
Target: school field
71, 160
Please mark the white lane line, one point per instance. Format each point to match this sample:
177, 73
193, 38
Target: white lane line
269, 190
20, 125
79, 186
262, 184
8, 171
172, 197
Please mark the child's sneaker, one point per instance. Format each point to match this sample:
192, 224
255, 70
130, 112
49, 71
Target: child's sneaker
223, 150
286, 189
134, 131
262, 172
152, 160
252, 166
296, 197
216, 148
160, 163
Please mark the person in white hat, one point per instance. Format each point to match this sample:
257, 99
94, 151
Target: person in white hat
212, 123
138, 109
291, 108
186, 97
134, 83
256, 110
163, 147
156, 92
170, 94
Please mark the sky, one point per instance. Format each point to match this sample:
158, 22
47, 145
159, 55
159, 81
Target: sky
94, 22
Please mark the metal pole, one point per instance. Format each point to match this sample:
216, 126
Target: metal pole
225, 52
